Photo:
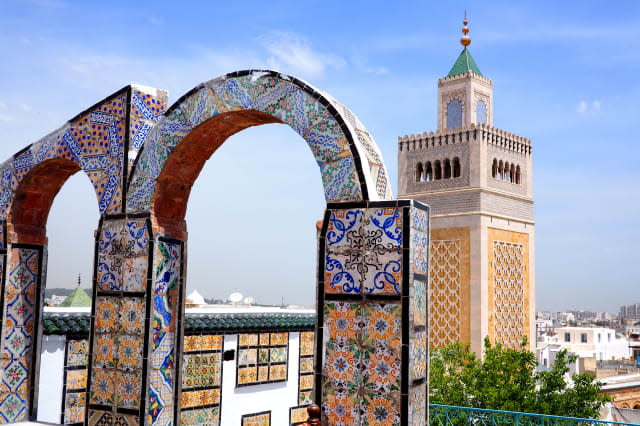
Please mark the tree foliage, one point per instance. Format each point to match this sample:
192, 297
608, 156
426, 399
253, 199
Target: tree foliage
506, 379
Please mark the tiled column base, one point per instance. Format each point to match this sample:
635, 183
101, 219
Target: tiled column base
372, 342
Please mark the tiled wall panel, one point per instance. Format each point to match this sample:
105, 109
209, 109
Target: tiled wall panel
74, 395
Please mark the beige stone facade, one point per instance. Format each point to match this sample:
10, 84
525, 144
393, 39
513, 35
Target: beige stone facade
477, 180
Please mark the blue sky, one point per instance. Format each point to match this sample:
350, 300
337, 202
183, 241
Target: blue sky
565, 75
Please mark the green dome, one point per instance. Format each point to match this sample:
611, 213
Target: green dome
464, 64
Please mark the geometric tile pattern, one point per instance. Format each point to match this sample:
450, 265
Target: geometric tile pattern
508, 273
306, 369
445, 298
74, 395
94, 140
373, 273
117, 354
256, 419
338, 141
201, 379
262, 358
21, 299
166, 285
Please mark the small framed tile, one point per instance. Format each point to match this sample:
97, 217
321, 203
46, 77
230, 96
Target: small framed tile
105, 353
129, 352
128, 389
382, 272
384, 228
103, 387
109, 272
135, 274
342, 273
131, 315
107, 313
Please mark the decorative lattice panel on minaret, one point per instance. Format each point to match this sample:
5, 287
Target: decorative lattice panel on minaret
445, 292
508, 296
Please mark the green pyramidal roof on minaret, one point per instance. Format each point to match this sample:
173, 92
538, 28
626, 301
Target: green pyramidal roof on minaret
464, 64
77, 298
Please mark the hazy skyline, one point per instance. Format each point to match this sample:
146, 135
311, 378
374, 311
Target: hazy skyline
564, 76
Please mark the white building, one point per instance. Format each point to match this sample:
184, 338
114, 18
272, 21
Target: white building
593, 342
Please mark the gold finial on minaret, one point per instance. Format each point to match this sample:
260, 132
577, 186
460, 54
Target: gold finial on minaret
465, 40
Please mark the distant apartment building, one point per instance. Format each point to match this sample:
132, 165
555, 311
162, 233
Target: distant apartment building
630, 312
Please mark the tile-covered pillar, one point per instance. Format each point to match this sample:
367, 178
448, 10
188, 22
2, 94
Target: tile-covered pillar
21, 267
372, 320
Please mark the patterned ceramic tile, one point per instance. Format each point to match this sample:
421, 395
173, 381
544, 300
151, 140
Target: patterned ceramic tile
298, 415
342, 367
418, 402
14, 375
341, 407
74, 407
306, 382
419, 249
247, 356
17, 342
279, 338
342, 273
306, 365
379, 410
200, 397
382, 374
105, 354
278, 372
76, 379
264, 339
384, 228
100, 418
136, 238
201, 371
13, 408
248, 340
204, 416
305, 397
382, 325
166, 267
109, 273
107, 312
257, 419
307, 342
419, 219
418, 355
419, 303
130, 352
278, 355
19, 310
344, 231
103, 387
343, 321
382, 272
131, 315
134, 274
128, 389
110, 241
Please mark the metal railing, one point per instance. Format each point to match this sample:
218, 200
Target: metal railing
447, 415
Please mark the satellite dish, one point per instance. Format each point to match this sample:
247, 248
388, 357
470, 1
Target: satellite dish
235, 297
248, 300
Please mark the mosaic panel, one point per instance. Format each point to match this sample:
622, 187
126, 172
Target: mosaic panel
262, 358
20, 309
363, 252
364, 347
256, 419
74, 397
298, 415
201, 379
290, 102
446, 291
166, 284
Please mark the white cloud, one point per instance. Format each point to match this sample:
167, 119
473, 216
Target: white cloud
156, 20
5, 118
293, 54
586, 107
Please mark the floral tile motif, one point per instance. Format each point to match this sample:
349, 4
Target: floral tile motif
109, 273
256, 419
22, 271
128, 389
167, 259
419, 250
162, 347
382, 325
418, 402
306, 382
13, 408
105, 354
17, 342
262, 358
134, 274
201, 370
263, 355
384, 228
76, 379
418, 355
278, 355
279, 338
278, 372
100, 418
107, 312
77, 353
264, 339
14, 375
131, 315
383, 272
382, 374
204, 416
129, 352
248, 340
74, 407
307, 339
247, 356
247, 375
342, 367
419, 303
200, 397
380, 410
160, 403
343, 321
341, 407
102, 387
19, 310
110, 242
263, 373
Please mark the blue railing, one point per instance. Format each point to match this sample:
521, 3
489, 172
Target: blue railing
447, 415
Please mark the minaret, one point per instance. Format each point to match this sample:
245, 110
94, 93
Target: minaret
477, 180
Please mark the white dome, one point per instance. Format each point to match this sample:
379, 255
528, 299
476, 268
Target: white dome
195, 298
